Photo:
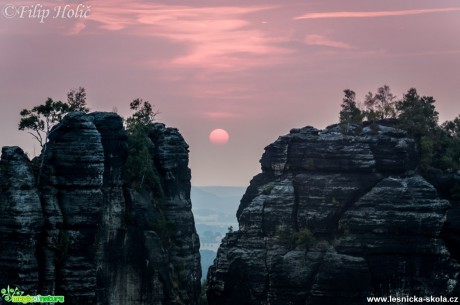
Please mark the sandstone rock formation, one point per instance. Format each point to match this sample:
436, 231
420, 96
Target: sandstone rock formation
333, 218
21, 220
81, 231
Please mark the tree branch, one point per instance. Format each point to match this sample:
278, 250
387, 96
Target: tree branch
38, 138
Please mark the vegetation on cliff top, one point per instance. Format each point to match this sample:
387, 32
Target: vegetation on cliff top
39, 120
140, 169
439, 145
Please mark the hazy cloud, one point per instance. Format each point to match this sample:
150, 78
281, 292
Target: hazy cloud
319, 40
373, 14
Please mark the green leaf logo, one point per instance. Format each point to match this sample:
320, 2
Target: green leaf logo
8, 293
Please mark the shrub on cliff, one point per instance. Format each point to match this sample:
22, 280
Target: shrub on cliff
380, 105
143, 115
417, 114
350, 113
439, 145
291, 240
451, 130
140, 170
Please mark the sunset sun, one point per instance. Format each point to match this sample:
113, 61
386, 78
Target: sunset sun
218, 136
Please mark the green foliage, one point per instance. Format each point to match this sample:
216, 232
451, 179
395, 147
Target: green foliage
451, 142
350, 113
267, 189
40, 119
76, 100
371, 115
143, 115
140, 170
426, 147
335, 201
439, 146
452, 128
417, 115
380, 105
285, 238
303, 238
439, 151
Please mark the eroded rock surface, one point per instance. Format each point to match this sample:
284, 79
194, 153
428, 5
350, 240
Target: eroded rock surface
332, 219
21, 220
81, 231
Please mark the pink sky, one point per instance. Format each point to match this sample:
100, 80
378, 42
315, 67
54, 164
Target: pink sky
256, 69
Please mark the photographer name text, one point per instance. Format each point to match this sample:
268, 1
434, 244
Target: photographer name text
42, 13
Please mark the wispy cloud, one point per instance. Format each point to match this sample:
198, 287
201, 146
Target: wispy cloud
319, 40
76, 28
374, 14
212, 37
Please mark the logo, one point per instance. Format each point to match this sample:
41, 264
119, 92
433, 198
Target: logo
9, 293
14, 295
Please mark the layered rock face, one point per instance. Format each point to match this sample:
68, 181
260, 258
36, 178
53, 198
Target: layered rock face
21, 220
88, 235
332, 219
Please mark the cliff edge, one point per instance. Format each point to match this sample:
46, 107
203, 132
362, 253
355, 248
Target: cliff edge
334, 218
80, 230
